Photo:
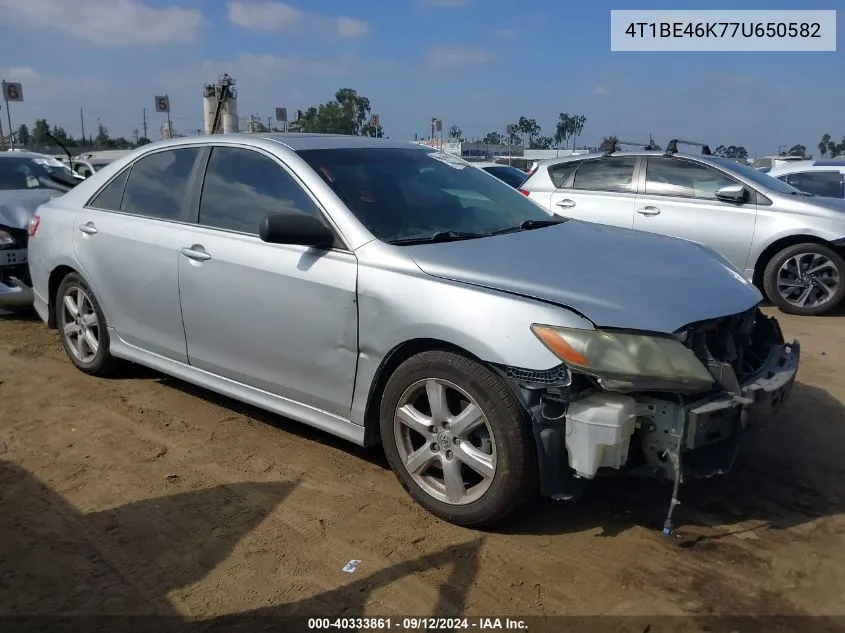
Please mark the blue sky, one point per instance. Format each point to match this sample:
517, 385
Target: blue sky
476, 63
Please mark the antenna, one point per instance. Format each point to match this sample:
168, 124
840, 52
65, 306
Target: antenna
672, 147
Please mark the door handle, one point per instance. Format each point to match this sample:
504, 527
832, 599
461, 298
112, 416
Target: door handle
196, 253
649, 211
565, 204
88, 228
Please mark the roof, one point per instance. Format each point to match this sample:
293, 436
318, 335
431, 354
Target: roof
298, 141
807, 165
702, 158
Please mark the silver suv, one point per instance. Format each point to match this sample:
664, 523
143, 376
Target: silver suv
787, 242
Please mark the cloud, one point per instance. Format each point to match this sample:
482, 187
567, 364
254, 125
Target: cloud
271, 16
446, 4
454, 57
602, 91
38, 87
112, 23
351, 27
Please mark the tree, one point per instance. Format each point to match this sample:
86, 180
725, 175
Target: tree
731, 151
143, 141
797, 150
609, 144
23, 135
456, 133
526, 132
40, 131
348, 113
493, 138
568, 127
102, 135
823, 144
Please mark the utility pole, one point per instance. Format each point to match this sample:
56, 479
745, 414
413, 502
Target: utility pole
145, 123
82, 123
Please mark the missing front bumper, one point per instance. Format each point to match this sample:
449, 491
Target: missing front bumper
670, 438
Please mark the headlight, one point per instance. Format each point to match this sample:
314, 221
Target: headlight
6, 239
625, 361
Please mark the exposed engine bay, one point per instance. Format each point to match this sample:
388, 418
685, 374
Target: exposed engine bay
584, 429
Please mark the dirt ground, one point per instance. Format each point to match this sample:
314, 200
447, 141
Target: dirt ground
144, 495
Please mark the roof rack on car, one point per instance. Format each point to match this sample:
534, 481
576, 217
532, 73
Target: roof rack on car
672, 147
616, 146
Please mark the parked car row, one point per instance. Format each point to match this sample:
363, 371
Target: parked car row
392, 294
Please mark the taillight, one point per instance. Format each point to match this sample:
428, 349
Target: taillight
524, 192
6, 239
34, 223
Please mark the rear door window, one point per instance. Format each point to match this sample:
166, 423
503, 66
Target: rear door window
613, 174
158, 185
562, 171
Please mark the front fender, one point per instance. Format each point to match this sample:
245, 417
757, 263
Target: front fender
493, 326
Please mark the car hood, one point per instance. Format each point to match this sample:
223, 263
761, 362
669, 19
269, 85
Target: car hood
18, 206
618, 278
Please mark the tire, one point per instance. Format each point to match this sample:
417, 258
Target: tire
781, 268
501, 441
91, 320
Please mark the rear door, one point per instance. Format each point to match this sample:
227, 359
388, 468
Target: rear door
127, 242
599, 190
678, 199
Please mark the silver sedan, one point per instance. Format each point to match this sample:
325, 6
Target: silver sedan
386, 292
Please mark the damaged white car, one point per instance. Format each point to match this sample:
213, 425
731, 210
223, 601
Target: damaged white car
391, 294
27, 180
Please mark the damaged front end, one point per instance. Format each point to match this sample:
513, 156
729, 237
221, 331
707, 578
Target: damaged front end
681, 417
17, 208
15, 283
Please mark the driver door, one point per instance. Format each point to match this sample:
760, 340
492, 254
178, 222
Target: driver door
679, 200
276, 317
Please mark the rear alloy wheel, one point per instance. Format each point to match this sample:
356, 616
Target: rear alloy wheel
456, 438
805, 279
82, 327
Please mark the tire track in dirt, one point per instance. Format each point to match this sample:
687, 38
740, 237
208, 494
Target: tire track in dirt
347, 505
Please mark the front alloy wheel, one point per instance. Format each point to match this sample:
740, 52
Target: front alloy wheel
445, 441
805, 279
457, 439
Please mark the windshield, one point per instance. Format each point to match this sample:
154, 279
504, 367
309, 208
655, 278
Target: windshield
402, 194
756, 176
25, 172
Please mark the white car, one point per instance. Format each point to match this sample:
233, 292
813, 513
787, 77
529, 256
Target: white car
820, 177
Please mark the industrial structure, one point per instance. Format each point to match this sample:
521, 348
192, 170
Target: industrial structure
220, 106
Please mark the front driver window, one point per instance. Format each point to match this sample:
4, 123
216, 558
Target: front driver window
683, 179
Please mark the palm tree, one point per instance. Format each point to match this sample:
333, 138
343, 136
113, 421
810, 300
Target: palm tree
823, 144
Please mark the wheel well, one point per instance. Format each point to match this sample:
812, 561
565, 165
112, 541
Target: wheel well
391, 362
777, 246
56, 276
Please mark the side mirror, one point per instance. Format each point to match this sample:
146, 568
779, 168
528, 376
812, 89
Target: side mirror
732, 193
295, 228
